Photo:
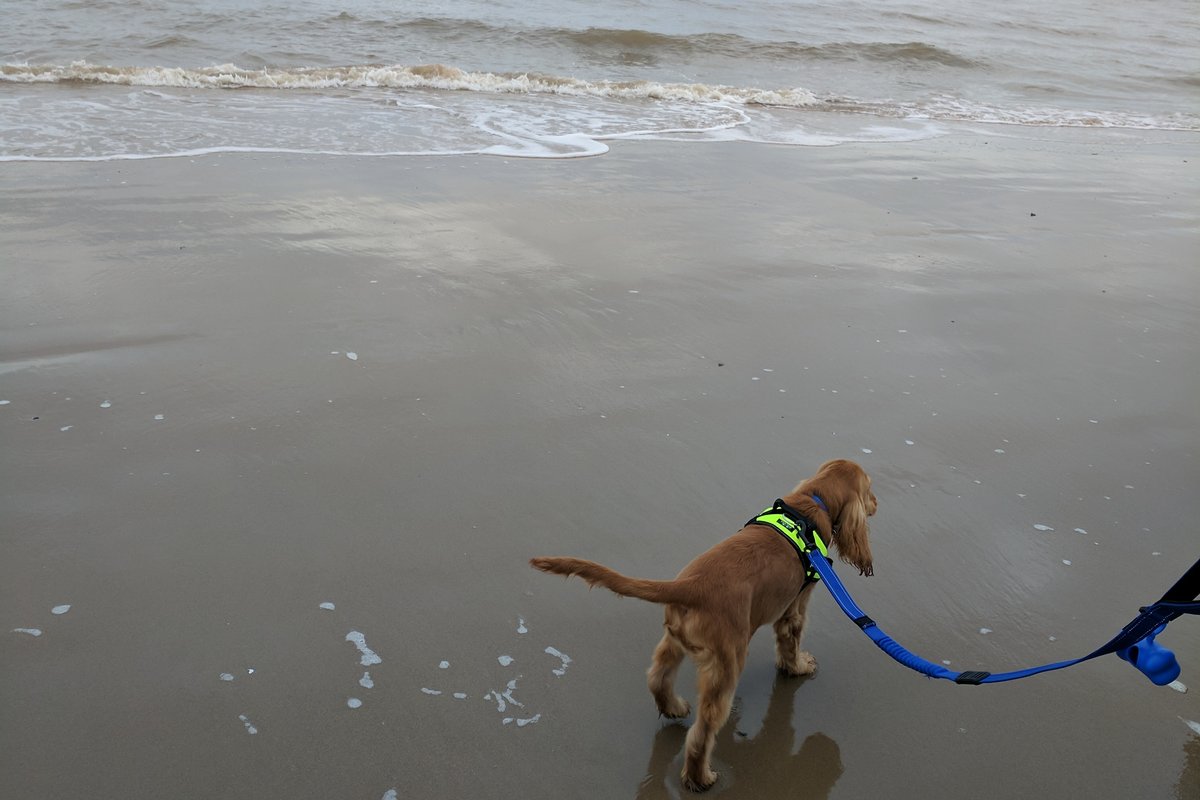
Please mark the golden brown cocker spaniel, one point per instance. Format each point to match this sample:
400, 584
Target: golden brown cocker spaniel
718, 601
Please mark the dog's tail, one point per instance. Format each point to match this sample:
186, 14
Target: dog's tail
679, 592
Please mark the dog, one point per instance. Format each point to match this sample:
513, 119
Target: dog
713, 607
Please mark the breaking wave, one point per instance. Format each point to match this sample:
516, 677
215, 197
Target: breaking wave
428, 76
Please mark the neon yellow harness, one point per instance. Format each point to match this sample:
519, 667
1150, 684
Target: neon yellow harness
798, 530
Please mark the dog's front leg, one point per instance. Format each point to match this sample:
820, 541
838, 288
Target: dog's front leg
789, 629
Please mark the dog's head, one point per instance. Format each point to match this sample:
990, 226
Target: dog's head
846, 489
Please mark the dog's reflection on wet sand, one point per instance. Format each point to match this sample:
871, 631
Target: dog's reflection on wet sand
765, 765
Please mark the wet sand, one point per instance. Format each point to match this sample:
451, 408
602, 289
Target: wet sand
621, 358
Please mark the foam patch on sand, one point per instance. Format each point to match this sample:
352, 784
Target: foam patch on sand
521, 723
505, 699
566, 660
369, 656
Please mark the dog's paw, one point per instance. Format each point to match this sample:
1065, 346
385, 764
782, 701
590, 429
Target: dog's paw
677, 709
803, 664
702, 783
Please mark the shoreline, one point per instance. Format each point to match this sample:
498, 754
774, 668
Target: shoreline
840, 129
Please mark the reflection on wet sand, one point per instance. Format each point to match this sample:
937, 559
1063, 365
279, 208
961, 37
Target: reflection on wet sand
1188, 787
765, 765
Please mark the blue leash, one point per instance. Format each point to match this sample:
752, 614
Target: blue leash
1134, 644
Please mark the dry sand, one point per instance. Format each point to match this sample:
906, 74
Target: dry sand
621, 358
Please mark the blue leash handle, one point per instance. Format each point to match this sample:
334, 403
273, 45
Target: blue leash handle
1135, 643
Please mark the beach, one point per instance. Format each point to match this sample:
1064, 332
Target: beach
284, 430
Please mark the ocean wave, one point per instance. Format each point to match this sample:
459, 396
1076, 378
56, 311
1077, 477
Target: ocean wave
907, 52
624, 41
440, 77
428, 76
169, 40
734, 46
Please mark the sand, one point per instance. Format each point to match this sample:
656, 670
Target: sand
241, 387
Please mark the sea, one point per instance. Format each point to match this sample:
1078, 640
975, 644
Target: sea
129, 79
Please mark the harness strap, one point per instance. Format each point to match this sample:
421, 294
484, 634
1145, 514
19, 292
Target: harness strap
799, 531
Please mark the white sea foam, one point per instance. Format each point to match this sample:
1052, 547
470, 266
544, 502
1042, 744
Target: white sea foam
505, 698
426, 76
369, 656
563, 657
403, 110
521, 723
450, 78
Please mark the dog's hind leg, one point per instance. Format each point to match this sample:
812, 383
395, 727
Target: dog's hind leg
661, 677
789, 629
717, 678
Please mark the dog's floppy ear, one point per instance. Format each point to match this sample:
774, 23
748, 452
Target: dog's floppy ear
851, 538
847, 491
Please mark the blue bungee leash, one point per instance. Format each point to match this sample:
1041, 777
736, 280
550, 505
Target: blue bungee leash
1134, 644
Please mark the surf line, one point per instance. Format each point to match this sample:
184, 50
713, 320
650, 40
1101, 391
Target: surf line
1134, 644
